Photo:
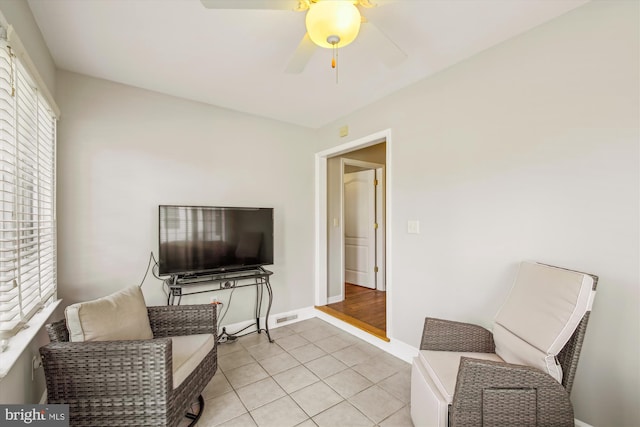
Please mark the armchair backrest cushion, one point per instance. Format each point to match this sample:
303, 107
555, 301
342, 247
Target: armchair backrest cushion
542, 311
119, 316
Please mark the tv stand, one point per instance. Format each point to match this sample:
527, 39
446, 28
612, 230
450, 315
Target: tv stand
181, 285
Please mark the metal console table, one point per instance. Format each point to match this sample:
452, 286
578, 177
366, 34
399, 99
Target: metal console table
180, 286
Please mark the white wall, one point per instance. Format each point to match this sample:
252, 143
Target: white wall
123, 151
19, 386
529, 150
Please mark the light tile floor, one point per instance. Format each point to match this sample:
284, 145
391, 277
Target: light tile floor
314, 374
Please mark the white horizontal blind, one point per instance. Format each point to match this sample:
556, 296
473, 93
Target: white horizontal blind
27, 196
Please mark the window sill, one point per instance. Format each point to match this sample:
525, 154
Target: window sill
18, 343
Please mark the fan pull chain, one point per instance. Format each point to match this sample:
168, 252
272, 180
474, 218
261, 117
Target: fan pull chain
334, 60
334, 40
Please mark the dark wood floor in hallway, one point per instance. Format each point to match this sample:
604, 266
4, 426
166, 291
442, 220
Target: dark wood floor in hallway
362, 307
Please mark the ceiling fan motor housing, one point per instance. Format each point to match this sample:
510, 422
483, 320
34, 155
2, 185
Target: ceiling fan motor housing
333, 39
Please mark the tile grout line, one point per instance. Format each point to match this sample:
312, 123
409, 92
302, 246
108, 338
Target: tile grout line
312, 335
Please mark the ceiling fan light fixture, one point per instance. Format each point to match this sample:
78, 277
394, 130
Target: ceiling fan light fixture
331, 20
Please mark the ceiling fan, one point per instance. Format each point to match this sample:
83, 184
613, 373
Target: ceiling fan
330, 24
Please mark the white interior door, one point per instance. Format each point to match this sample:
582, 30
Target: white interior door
359, 228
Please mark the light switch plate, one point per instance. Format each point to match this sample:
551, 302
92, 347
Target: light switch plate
413, 227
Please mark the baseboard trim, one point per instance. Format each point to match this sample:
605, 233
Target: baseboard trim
43, 398
579, 423
300, 315
393, 346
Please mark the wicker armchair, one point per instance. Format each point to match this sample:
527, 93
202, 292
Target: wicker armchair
112, 383
486, 390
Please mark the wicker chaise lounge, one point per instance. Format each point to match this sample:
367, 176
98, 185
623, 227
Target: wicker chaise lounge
521, 374
140, 382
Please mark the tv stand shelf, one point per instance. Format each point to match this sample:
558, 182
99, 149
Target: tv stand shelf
182, 285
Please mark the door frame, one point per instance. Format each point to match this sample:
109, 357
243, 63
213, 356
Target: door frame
380, 219
321, 225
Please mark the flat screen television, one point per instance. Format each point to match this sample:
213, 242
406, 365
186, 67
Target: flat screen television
195, 240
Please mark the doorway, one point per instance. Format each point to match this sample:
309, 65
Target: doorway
363, 206
352, 241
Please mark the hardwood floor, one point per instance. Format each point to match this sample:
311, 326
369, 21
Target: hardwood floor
363, 308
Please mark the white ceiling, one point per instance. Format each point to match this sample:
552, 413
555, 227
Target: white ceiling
236, 58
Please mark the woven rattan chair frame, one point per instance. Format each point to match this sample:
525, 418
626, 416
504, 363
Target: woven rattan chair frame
492, 393
123, 383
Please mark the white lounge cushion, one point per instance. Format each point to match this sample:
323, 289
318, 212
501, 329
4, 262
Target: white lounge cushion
442, 367
540, 314
119, 316
188, 351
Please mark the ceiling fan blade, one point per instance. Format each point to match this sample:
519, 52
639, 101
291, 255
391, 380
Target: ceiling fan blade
387, 50
252, 4
374, 3
301, 56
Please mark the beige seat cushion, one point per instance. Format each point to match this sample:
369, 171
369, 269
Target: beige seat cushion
442, 367
542, 311
188, 351
119, 316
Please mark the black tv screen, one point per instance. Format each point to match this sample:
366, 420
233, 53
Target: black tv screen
208, 239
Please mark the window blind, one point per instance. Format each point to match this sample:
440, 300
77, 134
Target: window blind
27, 196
